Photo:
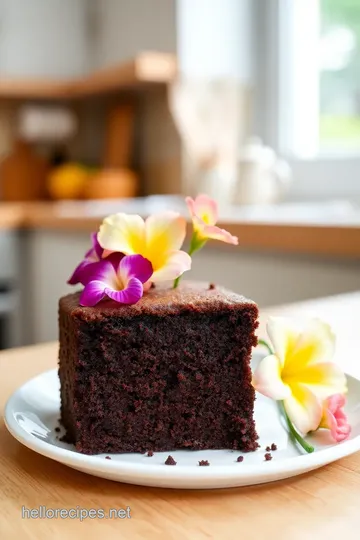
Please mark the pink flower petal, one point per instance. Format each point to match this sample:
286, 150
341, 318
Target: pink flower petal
215, 233
135, 266
93, 255
104, 270
177, 262
206, 209
191, 206
92, 293
267, 379
130, 295
335, 419
96, 246
78, 274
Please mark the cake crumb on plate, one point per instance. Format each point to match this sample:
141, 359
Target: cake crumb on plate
203, 463
170, 461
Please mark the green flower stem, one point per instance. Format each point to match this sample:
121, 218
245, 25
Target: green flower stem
266, 345
294, 434
196, 243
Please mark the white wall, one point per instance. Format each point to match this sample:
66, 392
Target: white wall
43, 38
126, 27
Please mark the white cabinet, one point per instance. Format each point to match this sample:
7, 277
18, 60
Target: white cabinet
43, 38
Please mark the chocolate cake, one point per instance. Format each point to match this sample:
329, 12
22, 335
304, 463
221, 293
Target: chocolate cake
171, 371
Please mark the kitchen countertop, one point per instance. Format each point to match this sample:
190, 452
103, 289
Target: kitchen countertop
330, 229
321, 504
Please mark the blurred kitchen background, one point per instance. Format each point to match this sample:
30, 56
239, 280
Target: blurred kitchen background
128, 105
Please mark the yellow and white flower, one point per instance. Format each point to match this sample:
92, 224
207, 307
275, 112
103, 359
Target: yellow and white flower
301, 372
158, 239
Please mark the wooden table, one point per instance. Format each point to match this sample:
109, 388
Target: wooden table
324, 504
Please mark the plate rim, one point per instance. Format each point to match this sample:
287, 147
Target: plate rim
294, 465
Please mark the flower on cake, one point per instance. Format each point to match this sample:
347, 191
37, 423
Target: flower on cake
158, 239
301, 374
118, 277
334, 417
92, 256
204, 215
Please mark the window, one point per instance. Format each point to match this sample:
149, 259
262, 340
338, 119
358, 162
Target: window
340, 74
308, 86
322, 76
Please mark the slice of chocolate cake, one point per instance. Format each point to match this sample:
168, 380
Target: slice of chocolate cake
170, 372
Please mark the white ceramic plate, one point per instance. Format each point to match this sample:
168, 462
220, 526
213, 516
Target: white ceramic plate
32, 412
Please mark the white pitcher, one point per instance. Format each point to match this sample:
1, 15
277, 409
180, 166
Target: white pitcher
262, 177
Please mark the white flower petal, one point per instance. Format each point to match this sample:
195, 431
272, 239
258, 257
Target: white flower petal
124, 233
315, 345
267, 379
283, 335
165, 231
175, 264
304, 409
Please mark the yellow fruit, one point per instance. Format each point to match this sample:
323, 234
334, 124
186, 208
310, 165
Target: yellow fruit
67, 181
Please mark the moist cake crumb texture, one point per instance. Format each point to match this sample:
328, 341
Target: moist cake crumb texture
170, 372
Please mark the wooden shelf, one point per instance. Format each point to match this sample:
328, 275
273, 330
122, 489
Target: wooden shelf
145, 69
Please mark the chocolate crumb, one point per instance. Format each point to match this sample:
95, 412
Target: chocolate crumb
212, 286
150, 453
268, 448
268, 456
240, 459
273, 447
57, 429
170, 461
203, 463
107, 457
152, 286
65, 438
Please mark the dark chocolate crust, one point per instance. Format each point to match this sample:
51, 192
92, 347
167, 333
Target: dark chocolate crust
172, 371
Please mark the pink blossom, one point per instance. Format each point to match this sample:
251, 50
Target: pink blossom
118, 277
93, 256
334, 417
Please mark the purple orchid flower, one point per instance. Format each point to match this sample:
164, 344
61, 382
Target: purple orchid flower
92, 256
119, 277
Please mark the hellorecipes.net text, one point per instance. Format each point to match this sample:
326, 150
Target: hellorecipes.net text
44, 512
